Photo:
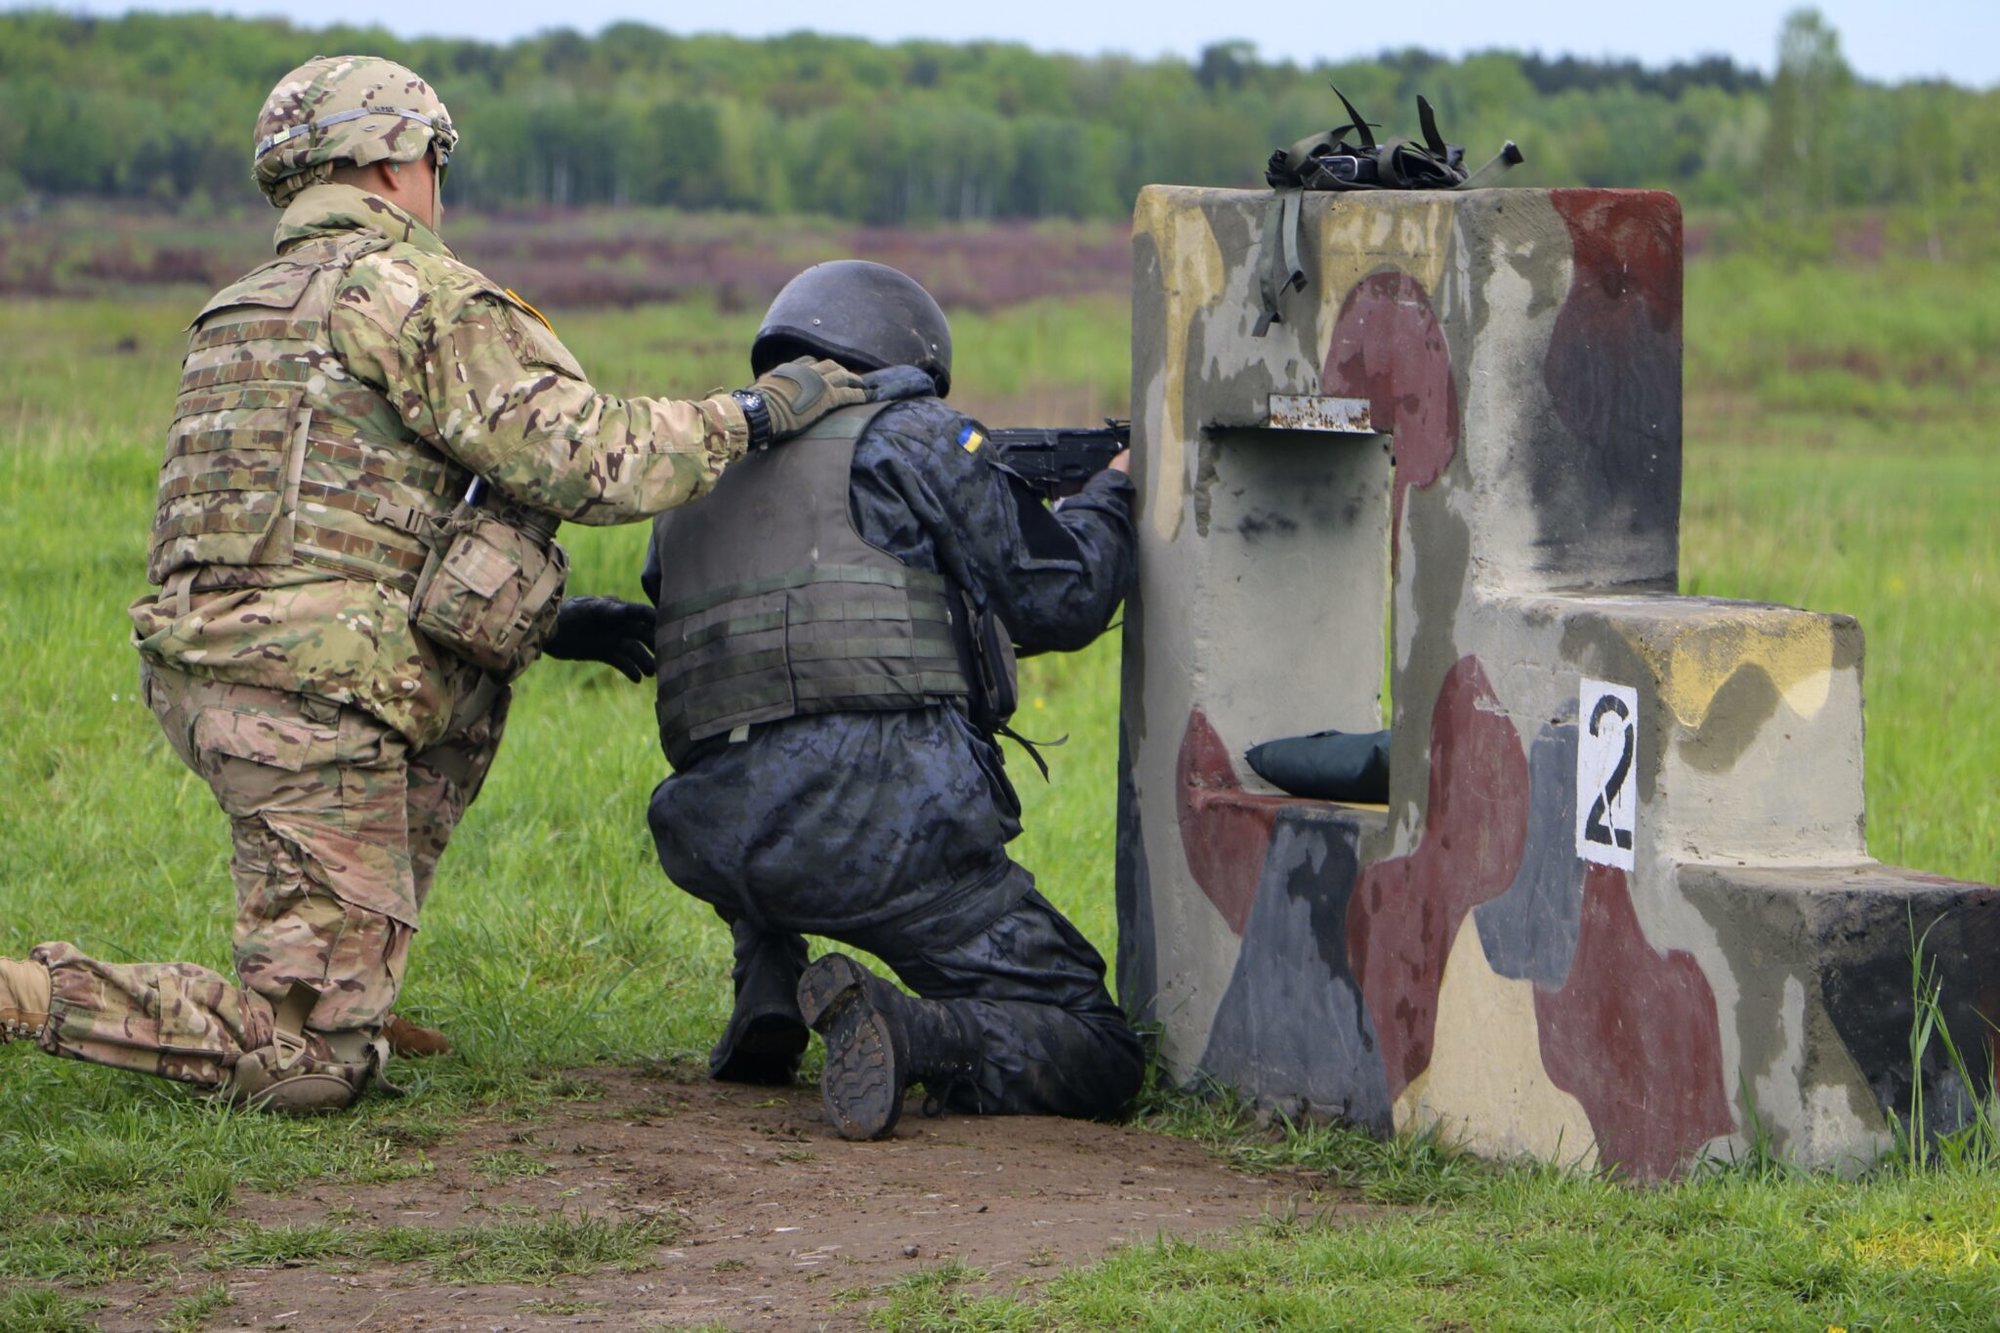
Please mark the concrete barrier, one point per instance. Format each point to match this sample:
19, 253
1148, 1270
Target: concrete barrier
1618, 908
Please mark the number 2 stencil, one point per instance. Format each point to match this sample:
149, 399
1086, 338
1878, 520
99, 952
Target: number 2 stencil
1607, 801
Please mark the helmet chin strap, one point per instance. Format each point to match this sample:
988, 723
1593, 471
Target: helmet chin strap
437, 196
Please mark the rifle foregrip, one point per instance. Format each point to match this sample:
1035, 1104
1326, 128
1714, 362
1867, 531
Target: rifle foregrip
1057, 460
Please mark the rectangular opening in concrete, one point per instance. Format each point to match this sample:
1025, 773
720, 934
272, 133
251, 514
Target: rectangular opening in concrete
1296, 525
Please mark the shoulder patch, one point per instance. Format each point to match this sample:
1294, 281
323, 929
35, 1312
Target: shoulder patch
970, 437
520, 301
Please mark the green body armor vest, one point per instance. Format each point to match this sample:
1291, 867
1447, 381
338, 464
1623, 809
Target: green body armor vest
773, 606
276, 455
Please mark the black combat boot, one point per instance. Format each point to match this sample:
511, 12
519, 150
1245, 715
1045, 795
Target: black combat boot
879, 1041
766, 1036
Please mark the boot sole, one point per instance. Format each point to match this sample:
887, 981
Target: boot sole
826, 980
863, 1097
859, 1087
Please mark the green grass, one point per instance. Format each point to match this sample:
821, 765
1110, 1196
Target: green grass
193, 1312
500, 1167
40, 1310
1539, 1250
552, 942
535, 1251
1465, 1243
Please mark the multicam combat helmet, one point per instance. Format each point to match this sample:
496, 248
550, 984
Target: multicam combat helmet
357, 109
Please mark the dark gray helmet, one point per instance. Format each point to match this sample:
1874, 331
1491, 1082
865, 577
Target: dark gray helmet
865, 316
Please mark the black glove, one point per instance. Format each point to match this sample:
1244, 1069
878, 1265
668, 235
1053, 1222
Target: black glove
891, 383
610, 630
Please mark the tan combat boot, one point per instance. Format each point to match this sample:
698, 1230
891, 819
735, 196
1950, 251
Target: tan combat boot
24, 999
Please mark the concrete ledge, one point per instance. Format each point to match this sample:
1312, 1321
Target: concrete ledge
1750, 733
1824, 960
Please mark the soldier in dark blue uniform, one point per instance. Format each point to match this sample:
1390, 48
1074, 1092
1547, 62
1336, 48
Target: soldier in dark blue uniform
836, 639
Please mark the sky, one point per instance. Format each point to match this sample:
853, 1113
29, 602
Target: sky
1883, 40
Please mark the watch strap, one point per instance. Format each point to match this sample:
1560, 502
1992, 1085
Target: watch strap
756, 415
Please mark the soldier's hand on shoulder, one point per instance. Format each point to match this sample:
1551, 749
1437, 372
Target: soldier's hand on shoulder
795, 395
610, 630
789, 398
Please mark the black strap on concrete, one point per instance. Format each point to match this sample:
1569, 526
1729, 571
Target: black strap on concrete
1282, 269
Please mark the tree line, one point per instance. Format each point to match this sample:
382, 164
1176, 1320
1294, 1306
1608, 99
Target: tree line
160, 107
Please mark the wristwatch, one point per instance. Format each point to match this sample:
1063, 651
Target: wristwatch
756, 415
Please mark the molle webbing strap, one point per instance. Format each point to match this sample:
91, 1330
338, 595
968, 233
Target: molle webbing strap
921, 580
844, 423
237, 437
813, 639
1282, 271
289, 1017
886, 636
802, 615
926, 653
179, 590
244, 369
251, 330
276, 456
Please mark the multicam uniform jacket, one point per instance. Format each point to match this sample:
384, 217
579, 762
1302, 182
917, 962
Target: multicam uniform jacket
421, 373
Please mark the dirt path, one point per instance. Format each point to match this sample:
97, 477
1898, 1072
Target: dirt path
780, 1223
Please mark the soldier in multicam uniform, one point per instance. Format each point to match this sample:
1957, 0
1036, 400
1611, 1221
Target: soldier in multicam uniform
837, 625
334, 406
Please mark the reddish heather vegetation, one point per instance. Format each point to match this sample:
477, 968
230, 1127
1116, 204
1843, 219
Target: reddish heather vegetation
599, 257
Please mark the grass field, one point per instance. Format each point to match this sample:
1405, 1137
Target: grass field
1839, 456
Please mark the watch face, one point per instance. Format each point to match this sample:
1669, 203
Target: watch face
752, 401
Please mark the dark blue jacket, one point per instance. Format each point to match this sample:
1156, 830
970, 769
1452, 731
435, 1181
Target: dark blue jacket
872, 824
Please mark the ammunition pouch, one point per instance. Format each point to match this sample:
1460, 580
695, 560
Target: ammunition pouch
986, 656
492, 584
305, 1073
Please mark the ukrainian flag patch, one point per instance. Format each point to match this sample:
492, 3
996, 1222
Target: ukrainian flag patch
969, 438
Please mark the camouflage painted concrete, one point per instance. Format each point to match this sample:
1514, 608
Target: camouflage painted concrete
1619, 907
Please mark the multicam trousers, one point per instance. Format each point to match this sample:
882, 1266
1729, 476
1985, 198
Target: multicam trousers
337, 828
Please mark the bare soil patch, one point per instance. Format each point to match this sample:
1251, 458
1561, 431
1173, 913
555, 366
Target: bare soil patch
778, 1223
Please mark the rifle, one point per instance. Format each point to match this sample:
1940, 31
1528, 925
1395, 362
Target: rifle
1057, 461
